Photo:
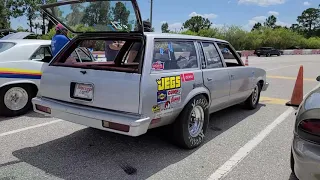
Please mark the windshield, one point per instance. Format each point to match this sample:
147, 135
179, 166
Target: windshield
104, 16
5, 46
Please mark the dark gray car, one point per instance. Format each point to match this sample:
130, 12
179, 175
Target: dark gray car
305, 151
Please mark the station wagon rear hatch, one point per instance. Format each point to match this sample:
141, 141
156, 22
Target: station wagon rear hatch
81, 16
105, 85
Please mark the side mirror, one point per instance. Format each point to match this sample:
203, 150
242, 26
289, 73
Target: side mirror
318, 79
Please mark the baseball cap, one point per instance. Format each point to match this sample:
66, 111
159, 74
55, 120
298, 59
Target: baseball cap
60, 27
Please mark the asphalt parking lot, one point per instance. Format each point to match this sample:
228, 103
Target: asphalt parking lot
35, 147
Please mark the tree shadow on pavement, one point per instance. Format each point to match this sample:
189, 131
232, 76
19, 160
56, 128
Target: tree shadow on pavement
96, 154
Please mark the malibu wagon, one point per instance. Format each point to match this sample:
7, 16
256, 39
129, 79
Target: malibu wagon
149, 79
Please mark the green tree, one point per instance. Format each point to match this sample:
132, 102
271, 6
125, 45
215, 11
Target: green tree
21, 29
309, 21
75, 17
196, 23
165, 27
97, 13
120, 13
5, 18
271, 21
256, 26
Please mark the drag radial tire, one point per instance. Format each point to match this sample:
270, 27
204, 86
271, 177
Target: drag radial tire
253, 99
15, 100
191, 125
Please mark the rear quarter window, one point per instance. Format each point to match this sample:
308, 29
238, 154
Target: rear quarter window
174, 54
5, 46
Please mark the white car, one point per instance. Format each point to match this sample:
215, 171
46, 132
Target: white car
21, 64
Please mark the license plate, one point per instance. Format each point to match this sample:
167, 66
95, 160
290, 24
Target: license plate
84, 91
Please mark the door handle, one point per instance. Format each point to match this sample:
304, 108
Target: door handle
209, 79
231, 76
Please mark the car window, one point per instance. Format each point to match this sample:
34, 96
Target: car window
201, 56
212, 56
43, 53
172, 54
5, 46
229, 55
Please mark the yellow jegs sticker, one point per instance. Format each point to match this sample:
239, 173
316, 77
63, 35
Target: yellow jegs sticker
171, 82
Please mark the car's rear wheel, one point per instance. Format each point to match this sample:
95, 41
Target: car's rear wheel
191, 125
268, 55
279, 54
15, 100
253, 99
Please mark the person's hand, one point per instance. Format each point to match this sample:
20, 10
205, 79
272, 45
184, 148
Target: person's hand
116, 45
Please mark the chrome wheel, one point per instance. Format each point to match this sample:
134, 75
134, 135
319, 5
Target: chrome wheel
255, 94
196, 121
16, 98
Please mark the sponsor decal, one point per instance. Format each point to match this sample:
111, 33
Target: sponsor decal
167, 105
161, 96
167, 83
158, 65
156, 109
161, 51
187, 77
174, 92
175, 99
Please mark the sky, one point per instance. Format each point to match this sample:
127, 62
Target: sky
243, 13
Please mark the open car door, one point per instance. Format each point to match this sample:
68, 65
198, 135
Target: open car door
96, 84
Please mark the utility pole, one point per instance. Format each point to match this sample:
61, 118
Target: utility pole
151, 10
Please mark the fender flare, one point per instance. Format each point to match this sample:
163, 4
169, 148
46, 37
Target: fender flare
195, 92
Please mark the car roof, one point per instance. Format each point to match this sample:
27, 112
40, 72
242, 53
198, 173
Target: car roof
181, 36
28, 41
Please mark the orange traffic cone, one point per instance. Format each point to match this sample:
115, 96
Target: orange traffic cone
247, 61
297, 94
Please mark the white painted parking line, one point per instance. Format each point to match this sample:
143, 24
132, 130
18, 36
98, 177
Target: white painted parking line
223, 170
30, 127
244, 151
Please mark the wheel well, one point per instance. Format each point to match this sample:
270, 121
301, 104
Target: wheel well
205, 95
261, 82
33, 87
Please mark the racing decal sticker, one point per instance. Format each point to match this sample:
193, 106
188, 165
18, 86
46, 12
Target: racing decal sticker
167, 105
170, 47
187, 77
161, 96
170, 82
174, 92
19, 73
158, 65
156, 108
175, 99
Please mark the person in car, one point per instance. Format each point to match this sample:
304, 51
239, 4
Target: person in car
59, 39
112, 48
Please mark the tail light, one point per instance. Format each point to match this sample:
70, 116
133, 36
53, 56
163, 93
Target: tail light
311, 126
116, 126
43, 108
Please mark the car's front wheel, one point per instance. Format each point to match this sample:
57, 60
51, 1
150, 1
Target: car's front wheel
15, 100
253, 99
191, 125
268, 55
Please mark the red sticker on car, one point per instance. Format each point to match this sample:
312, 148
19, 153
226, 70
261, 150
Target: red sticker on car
174, 92
188, 77
175, 99
158, 65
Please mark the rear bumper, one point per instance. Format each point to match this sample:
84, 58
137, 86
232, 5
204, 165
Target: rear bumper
93, 117
306, 159
265, 86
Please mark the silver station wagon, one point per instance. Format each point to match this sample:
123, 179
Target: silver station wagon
148, 79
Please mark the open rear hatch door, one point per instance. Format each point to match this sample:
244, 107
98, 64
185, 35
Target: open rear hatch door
100, 16
95, 87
